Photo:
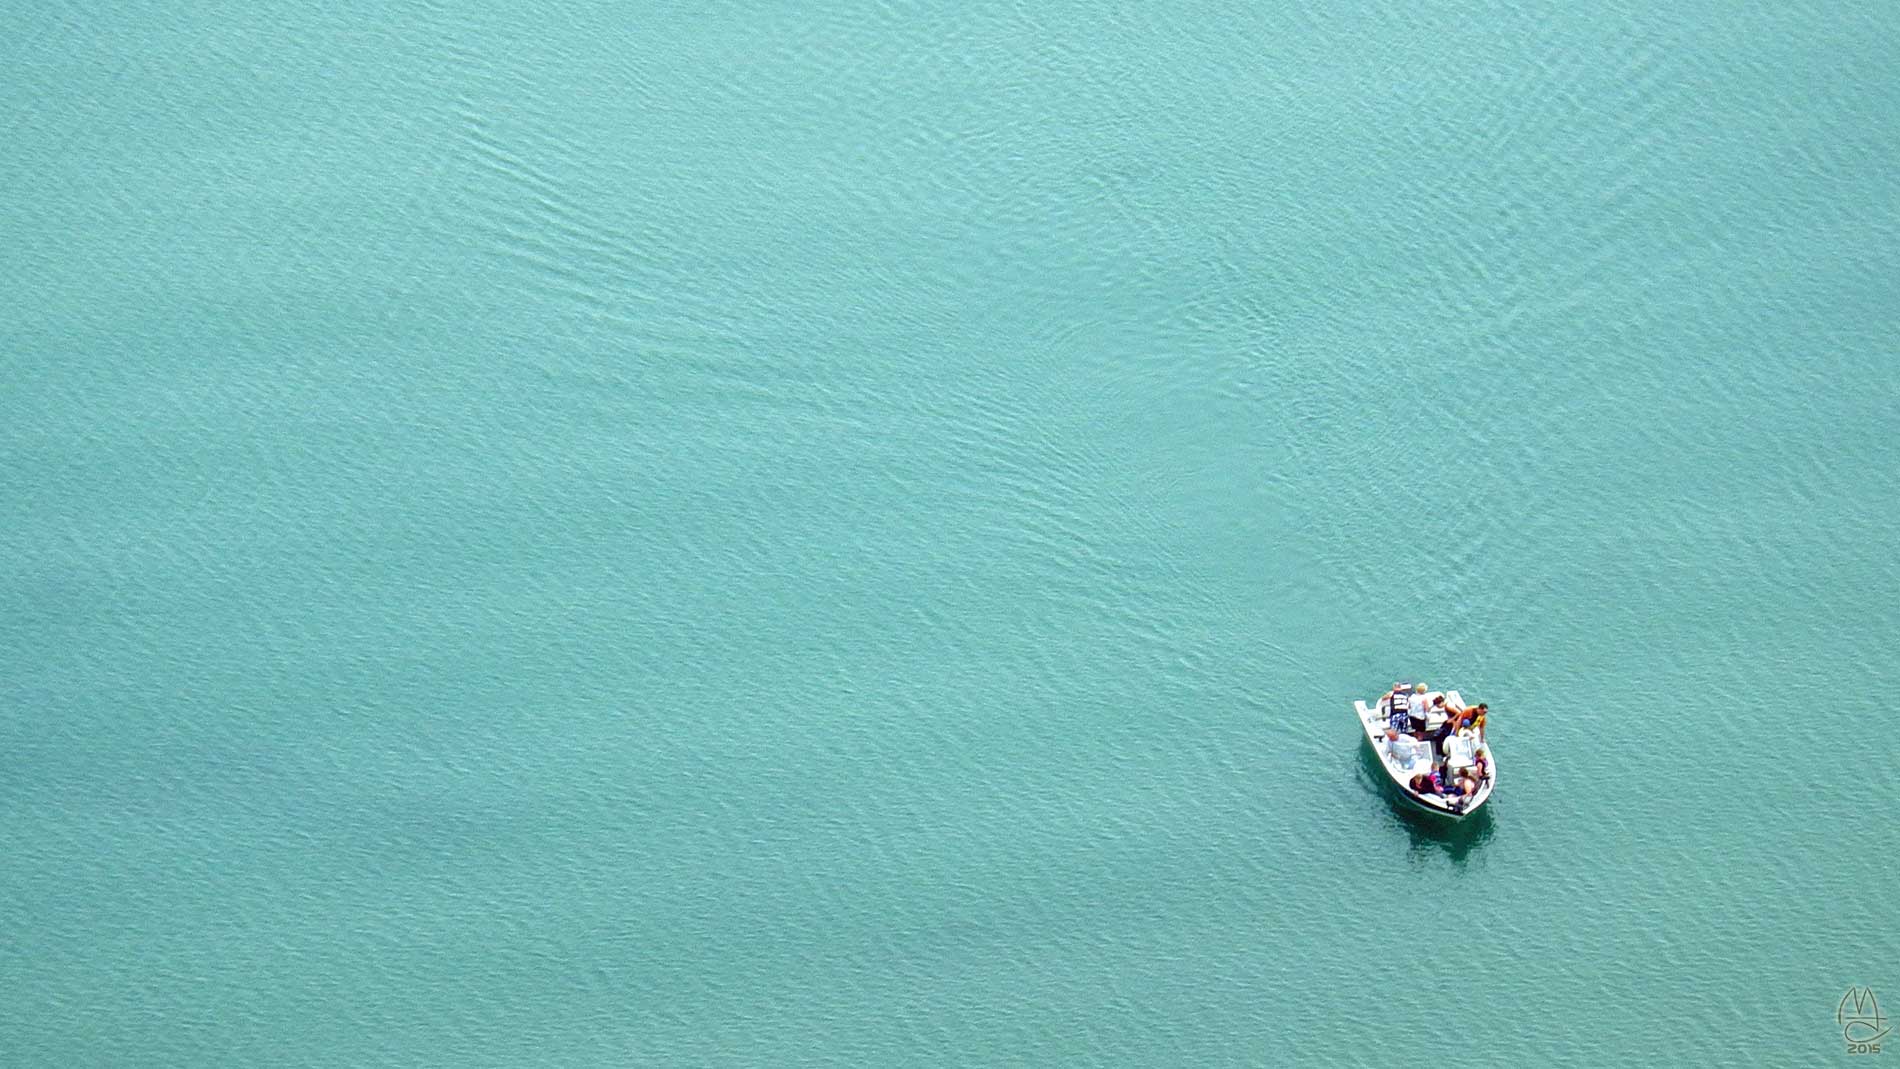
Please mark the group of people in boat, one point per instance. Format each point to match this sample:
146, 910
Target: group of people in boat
1410, 708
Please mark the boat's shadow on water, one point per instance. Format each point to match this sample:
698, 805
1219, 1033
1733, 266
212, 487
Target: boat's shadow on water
1455, 838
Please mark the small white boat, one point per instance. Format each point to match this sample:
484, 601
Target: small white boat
1402, 762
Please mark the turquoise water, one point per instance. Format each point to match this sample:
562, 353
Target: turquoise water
796, 535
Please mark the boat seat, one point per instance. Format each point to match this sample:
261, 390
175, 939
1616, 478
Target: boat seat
1461, 751
1411, 756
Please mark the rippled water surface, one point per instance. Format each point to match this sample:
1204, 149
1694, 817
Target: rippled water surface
846, 534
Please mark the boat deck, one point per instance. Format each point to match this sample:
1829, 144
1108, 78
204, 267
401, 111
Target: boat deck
1420, 757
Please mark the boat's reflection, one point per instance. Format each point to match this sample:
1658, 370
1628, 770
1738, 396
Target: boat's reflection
1428, 833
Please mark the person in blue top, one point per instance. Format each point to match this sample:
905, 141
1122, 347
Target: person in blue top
1452, 784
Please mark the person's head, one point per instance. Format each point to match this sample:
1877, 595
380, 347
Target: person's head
1483, 708
1391, 735
1438, 702
1418, 688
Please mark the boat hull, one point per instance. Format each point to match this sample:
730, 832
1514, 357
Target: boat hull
1372, 726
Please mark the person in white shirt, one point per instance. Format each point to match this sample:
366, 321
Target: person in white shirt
1415, 709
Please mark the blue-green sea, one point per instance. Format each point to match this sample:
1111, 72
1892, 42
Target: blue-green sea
846, 533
